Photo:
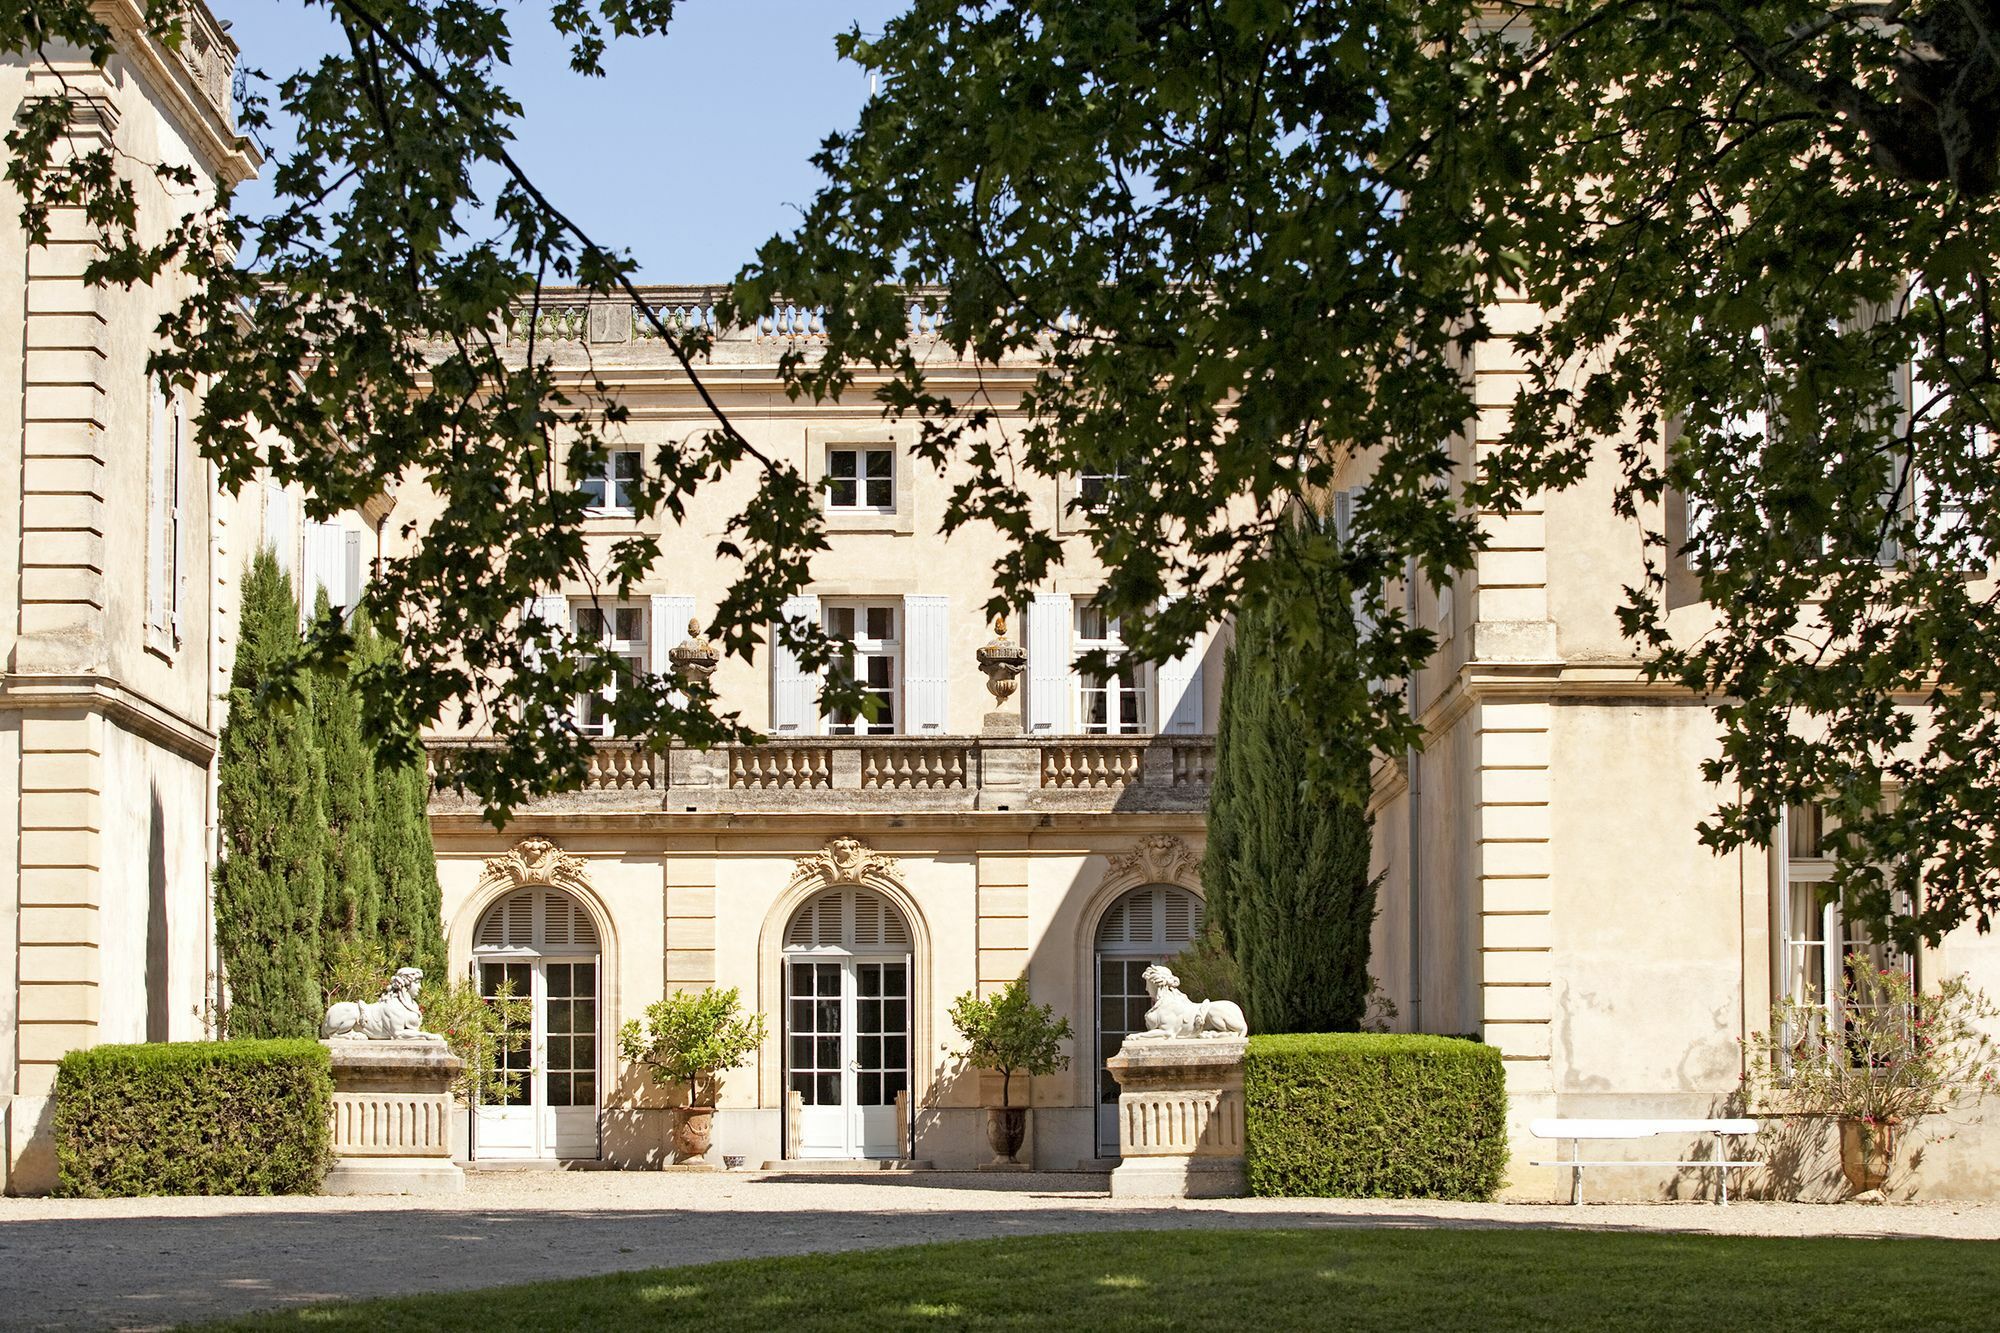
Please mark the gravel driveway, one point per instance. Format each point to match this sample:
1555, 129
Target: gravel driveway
139, 1263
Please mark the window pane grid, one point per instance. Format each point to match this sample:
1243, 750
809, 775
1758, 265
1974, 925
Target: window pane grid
861, 479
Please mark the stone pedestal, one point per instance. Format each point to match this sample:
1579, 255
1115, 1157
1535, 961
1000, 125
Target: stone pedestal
1180, 1118
392, 1114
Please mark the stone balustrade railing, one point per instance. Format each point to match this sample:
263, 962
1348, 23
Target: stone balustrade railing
1026, 773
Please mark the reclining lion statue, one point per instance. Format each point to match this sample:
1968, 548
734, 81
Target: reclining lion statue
394, 1017
1174, 1015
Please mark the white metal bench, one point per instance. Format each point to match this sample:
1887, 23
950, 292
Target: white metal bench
1578, 1130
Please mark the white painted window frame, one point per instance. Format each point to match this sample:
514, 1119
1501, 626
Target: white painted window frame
636, 650
1112, 644
867, 647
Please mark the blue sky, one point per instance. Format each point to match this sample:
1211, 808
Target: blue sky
690, 152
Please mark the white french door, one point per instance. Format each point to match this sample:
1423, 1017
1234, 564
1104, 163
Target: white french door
553, 1111
847, 1053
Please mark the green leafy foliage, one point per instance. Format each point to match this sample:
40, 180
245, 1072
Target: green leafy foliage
353, 892
1894, 1054
410, 921
1222, 250
693, 1038
270, 885
1367, 1115
1008, 1032
229, 1117
1207, 969
1285, 868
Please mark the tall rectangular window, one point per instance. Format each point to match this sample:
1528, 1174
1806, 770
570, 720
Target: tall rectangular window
610, 487
165, 572
1818, 945
870, 652
861, 480
1112, 701
622, 630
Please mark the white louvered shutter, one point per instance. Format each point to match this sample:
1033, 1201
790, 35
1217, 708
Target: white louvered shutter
794, 692
1181, 690
671, 614
325, 565
926, 664
158, 555
1049, 663
278, 527
551, 611
351, 570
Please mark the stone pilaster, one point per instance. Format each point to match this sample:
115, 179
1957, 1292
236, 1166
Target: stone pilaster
690, 922
1003, 918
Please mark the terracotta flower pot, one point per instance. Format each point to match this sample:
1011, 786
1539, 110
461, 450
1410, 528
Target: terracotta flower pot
1006, 1126
1867, 1153
694, 1130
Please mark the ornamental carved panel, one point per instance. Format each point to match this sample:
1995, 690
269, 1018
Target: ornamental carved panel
846, 861
1158, 858
537, 862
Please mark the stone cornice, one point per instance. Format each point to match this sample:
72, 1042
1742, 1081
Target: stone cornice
126, 707
192, 83
469, 827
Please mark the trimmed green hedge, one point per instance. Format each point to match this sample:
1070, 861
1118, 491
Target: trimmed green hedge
1367, 1115
196, 1117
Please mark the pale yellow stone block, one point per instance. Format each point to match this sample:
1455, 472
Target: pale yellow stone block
1512, 786
38, 1080
64, 365
59, 962
60, 810
58, 925
1529, 893
1513, 603
64, 257
61, 439
46, 1043
1003, 932
60, 847
81, 328
1514, 859
1515, 532
61, 619
60, 771
1516, 930
1515, 715
690, 900
1512, 569
62, 886
62, 513
83, 550
1002, 965
66, 402
65, 474
64, 584
691, 932
1517, 967
1003, 900
1514, 822
690, 872
1516, 1004
1010, 870
1519, 1041
689, 966
1514, 749
59, 1002
76, 731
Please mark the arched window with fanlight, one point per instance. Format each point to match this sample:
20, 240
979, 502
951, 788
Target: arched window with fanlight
847, 1023
540, 942
1148, 925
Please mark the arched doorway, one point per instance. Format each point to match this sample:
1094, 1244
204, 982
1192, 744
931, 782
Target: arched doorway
1147, 925
847, 1024
542, 941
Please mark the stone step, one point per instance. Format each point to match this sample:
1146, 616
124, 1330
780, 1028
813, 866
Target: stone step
837, 1166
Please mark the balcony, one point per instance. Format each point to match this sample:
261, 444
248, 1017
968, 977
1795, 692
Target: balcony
889, 774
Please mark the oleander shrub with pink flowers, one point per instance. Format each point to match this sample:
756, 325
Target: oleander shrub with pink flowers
1887, 1052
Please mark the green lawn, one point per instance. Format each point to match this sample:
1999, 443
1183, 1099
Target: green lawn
1261, 1281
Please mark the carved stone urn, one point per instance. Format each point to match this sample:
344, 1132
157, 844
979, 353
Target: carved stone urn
694, 1132
1867, 1152
694, 658
1006, 1128
1003, 661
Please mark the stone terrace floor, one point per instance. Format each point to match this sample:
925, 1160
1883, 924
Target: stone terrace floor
138, 1263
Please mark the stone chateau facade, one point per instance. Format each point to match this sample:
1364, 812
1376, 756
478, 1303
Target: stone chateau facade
1544, 887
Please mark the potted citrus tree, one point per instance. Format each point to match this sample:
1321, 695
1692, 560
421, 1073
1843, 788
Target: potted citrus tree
1009, 1033
691, 1039
1883, 1059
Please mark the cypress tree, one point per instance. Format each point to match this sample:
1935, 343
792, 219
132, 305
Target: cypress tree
270, 886
411, 920
1285, 869
353, 892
